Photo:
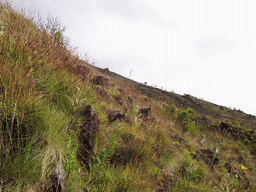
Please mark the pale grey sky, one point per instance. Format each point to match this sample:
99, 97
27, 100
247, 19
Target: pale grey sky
200, 47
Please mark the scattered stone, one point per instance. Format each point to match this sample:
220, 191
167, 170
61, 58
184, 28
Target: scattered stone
207, 155
82, 71
118, 99
105, 71
228, 166
114, 115
145, 112
57, 179
102, 92
228, 129
129, 102
178, 138
89, 129
100, 80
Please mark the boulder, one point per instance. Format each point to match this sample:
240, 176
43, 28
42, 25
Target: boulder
88, 130
114, 115
229, 129
57, 179
99, 80
82, 71
145, 112
208, 156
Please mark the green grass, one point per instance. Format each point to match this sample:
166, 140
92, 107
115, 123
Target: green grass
43, 95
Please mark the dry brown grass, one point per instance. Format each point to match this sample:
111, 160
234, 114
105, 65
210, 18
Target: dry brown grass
43, 89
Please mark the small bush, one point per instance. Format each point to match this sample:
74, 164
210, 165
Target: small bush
170, 112
186, 119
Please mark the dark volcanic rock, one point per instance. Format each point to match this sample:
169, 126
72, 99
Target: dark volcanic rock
129, 102
228, 129
99, 80
106, 71
57, 179
145, 112
228, 166
88, 131
82, 71
118, 99
114, 115
208, 157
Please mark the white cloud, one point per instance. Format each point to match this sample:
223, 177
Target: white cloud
203, 48
135, 12
212, 46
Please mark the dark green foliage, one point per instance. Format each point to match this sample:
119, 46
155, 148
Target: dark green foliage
186, 119
170, 112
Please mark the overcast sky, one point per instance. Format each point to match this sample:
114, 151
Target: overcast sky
204, 48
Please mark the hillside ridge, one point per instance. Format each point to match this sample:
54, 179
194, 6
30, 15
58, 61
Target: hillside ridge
66, 125
186, 100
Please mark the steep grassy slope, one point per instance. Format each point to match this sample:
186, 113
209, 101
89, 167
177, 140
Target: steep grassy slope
186, 100
65, 125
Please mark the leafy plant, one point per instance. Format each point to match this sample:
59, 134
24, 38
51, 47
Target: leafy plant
186, 119
171, 112
59, 35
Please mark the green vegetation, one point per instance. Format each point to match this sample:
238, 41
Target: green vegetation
179, 143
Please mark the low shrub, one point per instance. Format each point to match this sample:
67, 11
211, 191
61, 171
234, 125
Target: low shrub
170, 112
186, 119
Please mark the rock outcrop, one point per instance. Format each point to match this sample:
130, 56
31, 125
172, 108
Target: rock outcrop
145, 112
114, 115
82, 71
208, 156
88, 130
230, 130
57, 179
100, 80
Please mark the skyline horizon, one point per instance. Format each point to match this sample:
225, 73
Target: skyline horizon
204, 49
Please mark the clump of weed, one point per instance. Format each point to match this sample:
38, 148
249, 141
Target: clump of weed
186, 119
170, 112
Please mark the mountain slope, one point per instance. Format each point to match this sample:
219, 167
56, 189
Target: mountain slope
66, 126
186, 100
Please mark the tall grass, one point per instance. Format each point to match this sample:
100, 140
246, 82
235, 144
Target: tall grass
36, 80
42, 95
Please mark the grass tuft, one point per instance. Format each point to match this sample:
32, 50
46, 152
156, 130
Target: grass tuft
183, 144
